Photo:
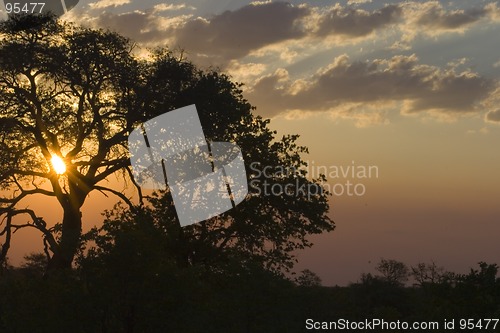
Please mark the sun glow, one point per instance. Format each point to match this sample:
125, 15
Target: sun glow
58, 164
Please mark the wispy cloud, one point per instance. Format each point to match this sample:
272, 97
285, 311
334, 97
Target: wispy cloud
162, 7
432, 15
493, 116
431, 18
108, 3
144, 27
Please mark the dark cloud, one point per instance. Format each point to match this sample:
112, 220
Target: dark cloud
357, 22
233, 34
230, 35
493, 116
143, 27
400, 79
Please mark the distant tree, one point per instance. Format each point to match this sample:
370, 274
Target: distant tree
449, 278
393, 271
308, 278
486, 276
35, 263
71, 100
4, 266
367, 278
427, 273
479, 291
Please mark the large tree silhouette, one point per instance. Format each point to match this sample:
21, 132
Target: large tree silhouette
65, 93
75, 94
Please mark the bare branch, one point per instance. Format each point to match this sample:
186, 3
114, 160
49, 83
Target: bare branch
119, 164
25, 193
136, 185
30, 173
5, 246
37, 223
81, 129
119, 194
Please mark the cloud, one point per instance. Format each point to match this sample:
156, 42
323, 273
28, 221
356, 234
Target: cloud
493, 116
145, 27
412, 17
493, 11
253, 42
210, 41
358, 2
276, 27
432, 15
430, 18
108, 3
162, 7
245, 72
415, 87
356, 22
234, 34
361, 115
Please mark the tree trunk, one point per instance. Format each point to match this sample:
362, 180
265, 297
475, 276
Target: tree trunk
70, 238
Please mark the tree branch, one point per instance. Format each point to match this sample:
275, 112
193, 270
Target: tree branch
30, 173
137, 186
37, 223
119, 194
25, 193
5, 246
120, 164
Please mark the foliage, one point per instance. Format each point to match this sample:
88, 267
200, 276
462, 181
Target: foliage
393, 271
427, 273
69, 95
308, 278
77, 93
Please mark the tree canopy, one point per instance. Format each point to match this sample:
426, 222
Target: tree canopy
76, 94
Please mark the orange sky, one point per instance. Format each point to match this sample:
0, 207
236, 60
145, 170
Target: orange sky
437, 196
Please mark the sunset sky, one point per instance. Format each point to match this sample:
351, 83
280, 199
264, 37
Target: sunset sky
411, 87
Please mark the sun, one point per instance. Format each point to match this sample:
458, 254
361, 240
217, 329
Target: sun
58, 164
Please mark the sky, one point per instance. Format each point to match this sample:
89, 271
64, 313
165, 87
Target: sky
409, 87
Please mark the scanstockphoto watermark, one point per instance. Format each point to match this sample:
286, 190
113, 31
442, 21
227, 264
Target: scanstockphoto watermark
341, 180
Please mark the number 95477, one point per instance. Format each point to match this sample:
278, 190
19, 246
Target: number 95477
25, 8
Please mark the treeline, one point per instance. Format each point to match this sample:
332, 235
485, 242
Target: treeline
131, 276
133, 286
421, 293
